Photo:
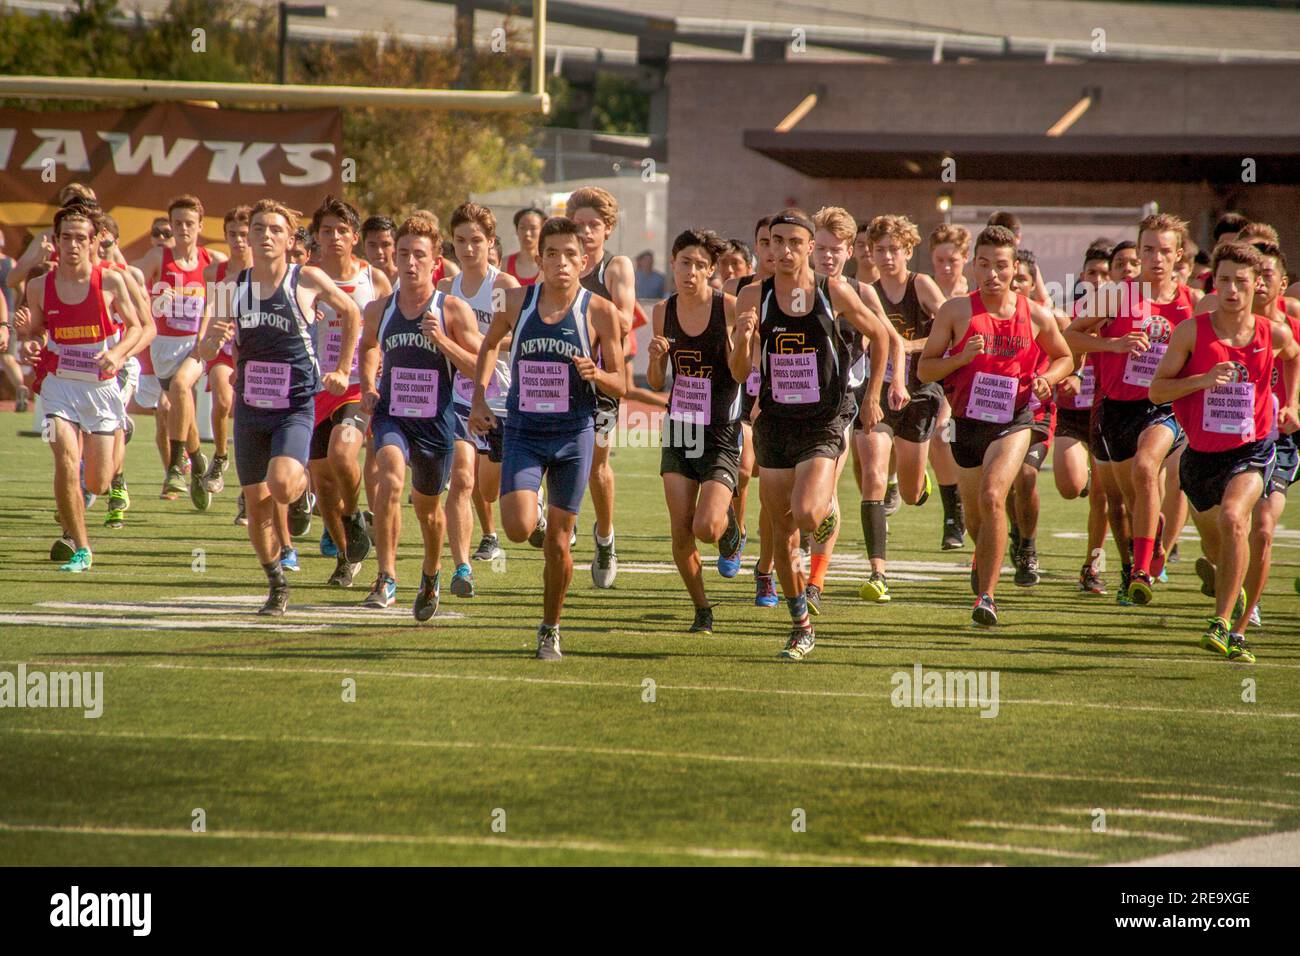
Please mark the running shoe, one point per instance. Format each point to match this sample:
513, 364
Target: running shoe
80, 561
953, 535
1158, 554
974, 579
604, 566
383, 594
1205, 571
925, 492
765, 589
538, 537
985, 612
426, 599
489, 549
174, 484
799, 645
241, 516
214, 479
548, 643
462, 581
703, 621
116, 518
200, 497
277, 601
289, 559
1255, 619
729, 564
1239, 606
1125, 577
1215, 638
1090, 582
1239, 650
812, 595
875, 589
118, 497
300, 514
1014, 542
822, 533
63, 549
1027, 570
1163, 576
328, 549
893, 500
1139, 588
344, 574
20, 399
358, 537
88, 500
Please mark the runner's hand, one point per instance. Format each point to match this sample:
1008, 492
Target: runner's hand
336, 383
220, 331
109, 363
974, 346
369, 399
431, 327
22, 320
1069, 387
1221, 374
746, 323
586, 367
871, 413
1135, 343
1042, 390
481, 419
898, 396
1288, 419
30, 352
658, 347
47, 248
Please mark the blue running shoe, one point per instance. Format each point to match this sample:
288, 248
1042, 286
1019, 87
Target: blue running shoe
765, 590
328, 548
729, 564
289, 559
462, 581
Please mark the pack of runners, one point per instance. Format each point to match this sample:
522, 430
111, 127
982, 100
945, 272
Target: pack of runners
341, 353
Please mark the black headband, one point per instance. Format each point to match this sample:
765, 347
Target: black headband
788, 220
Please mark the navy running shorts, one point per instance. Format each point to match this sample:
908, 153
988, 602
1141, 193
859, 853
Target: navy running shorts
261, 434
564, 457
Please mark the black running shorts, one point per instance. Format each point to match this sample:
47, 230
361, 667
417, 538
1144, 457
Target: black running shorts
1204, 475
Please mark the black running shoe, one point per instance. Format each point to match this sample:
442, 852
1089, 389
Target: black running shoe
344, 573
426, 601
1014, 543
952, 535
1027, 572
974, 579
277, 601
300, 514
703, 621
985, 612
538, 537
812, 594
729, 543
358, 545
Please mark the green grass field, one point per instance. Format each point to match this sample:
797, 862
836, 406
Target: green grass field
454, 726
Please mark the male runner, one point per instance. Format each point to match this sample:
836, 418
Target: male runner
949, 254
612, 278
87, 316
984, 348
423, 337
379, 242
1124, 261
524, 265
790, 325
176, 285
340, 425
701, 438
911, 301
270, 307
1218, 373
557, 328
1131, 330
476, 460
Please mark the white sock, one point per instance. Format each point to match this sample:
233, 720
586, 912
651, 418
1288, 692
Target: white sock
605, 542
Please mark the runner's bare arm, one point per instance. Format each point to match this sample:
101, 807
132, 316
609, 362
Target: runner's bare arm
744, 353
604, 319
118, 286
1286, 350
462, 339
38, 250
322, 290
620, 279
931, 299
381, 284
1166, 386
949, 326
368, 366
34, 325
849, 304
150, 263
217, 326
658, 350
502, 327
1047, 332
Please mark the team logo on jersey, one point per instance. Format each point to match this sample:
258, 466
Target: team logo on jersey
1240, 373
1159, 329
687, 363
790, 343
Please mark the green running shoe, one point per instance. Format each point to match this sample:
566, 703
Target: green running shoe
1239, 608
1139, 588
799, 645
173, 484
875, 589
1239, 650
119, 499
80, 561
1215, 638
115, 518
63, 549
925, 492
824, 530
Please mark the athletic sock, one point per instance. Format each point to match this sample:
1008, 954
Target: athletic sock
274, 573
1143, 548
817, 573
1027, 544
605, 542
948, 495
873, 528
177, 454
798, 610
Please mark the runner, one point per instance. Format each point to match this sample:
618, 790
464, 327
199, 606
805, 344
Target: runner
1124, 261
1073, 466
76, 309
610, 277
791, 325
1218, 373
423, 338
524, 265
984, 348
340, 423
379, 242
556, 328
701, 438
911, 301
176, 286
949, 254
278, 376
1132, 333
221, 370
476, 459
832, 246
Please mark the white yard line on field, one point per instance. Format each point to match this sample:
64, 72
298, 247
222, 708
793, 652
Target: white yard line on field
1080, 830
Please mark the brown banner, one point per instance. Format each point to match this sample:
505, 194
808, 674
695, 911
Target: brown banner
136, 160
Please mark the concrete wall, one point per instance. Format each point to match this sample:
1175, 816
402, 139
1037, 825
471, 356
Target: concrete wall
718, 183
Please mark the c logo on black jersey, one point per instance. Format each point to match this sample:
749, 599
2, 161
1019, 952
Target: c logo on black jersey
790, 343
686, 362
